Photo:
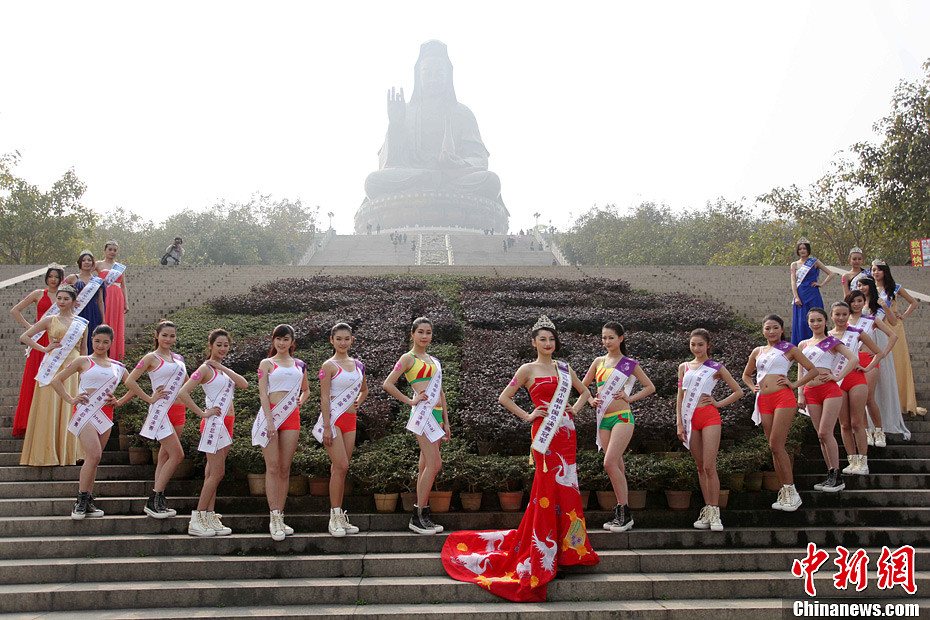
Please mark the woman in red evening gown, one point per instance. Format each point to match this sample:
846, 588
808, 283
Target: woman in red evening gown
42, 298
117, 303
517, 564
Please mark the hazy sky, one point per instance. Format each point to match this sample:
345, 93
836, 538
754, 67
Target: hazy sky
172, 105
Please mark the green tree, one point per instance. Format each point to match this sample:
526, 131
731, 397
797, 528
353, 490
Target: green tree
41, 226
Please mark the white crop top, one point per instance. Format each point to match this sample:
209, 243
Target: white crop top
215, 386
772, 362
284, 378
688, 379
164, 371
344, 378
826, 360
95, 376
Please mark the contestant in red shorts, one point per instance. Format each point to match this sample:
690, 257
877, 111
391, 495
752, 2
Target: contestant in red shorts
343, 388
855, 389
279, 375
219, 384
98, 372
163, 367
823, 396
699, 425
775, 402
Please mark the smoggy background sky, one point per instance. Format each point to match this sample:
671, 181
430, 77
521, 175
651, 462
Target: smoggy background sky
165, 106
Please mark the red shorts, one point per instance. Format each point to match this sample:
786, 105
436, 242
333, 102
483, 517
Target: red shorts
782, 399
107, 411
856, 377
705, 416
817, 394
177, 414
347, 422
292, 423
865, 358
227, 422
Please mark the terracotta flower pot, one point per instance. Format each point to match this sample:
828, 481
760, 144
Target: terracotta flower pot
770, 481
678, 500
511, 501
256, 484
139, 456
607, 500
155, 452
123, 428
319, 487
637, 500
585, 498
386, 502
724, 498
753, 481
184, 470
736, 482
297, 485
124, 443
471, 502
408, 500
439, 501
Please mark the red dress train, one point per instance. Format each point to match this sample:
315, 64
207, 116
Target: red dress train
33, 361
517, 564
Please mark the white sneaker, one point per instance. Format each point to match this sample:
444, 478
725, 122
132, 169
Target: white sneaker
880, 441
716, 524
288, 530
703, 521
780, 500
870, 437
792, 499
853, 464
276, 526
348, 527
863, 469
199, 526
213, 520
335, 523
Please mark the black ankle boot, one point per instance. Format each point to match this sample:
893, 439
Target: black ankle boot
420, 525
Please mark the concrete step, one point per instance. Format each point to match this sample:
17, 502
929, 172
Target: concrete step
895, 451
22, 473
114, 457
412, 590
877, 465
871, 481
174, 541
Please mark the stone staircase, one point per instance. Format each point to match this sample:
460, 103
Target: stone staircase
432, 249
128, 565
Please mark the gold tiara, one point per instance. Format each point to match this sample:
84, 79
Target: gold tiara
67, 288
544, 323
855, 250
879, 262
803, 240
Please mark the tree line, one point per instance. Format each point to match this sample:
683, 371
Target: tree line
875, 195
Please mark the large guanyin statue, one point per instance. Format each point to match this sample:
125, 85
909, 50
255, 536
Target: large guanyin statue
433, 165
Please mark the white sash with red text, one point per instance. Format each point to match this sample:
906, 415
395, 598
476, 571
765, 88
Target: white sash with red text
804, 269
215, 436
279, 413
702, 383
82, 300
92, 410
339, 404
157, 426
851, 340
555, 410
54, 359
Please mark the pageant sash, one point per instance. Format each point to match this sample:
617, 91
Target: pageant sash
822, 348
854, 282
113, 274
804, 269
279, 413
866, 324
53, 360
421, 420
620, 379
555, 410
339, 404
215, 437
851, 340
763, 363
92, 411
156, 424
87, 293
702, 383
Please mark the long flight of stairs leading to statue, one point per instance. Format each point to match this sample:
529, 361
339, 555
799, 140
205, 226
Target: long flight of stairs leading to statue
129, 565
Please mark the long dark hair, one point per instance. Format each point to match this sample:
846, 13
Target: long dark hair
162, 325
616, 328
777, 319
81, 258
56, 270
551, 330
887, 281
872, 298
213, 335
281, 331
851, 297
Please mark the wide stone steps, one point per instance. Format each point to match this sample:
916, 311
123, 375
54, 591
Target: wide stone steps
409, 590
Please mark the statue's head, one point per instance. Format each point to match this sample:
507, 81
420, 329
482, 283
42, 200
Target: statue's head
433, 74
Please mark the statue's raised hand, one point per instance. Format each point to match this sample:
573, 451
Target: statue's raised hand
396, 107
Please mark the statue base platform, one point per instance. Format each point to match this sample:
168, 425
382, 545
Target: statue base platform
437, 210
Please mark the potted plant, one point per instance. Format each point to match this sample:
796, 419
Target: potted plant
140, 450
396, 458
379, 475
247, 459
640, 478
473, 471
591, 474
681, 480
315, 466
508, 476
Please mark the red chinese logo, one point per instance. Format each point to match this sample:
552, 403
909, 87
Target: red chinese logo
809, 565
894, 568
897, 568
